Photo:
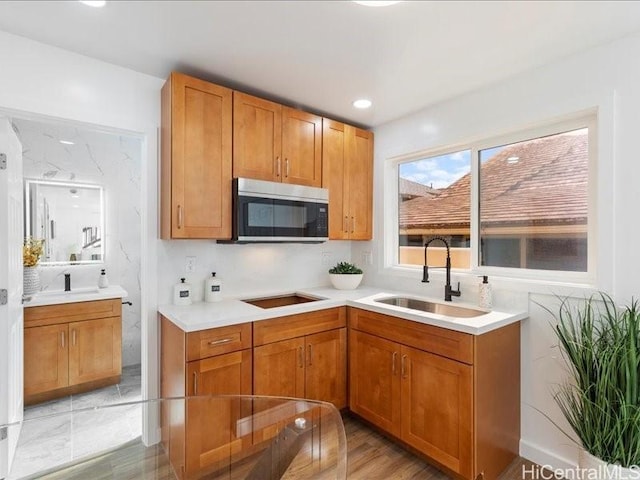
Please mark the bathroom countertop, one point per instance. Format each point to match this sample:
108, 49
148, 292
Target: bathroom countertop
82, 294
233, 311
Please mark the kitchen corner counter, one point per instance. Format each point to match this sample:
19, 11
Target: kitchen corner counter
83, 294
233, 311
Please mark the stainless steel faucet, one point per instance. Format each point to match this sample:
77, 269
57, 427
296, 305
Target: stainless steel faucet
448, 291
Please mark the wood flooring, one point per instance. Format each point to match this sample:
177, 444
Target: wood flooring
371, 456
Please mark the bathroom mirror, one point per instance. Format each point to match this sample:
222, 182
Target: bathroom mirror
69, 217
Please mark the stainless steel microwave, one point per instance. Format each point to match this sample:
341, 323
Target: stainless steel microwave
272, 212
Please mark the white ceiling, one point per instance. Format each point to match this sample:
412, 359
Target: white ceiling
324, 54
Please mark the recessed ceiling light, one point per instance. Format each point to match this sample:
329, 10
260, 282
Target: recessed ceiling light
66, 142
513, 159
362, 103
376, 3
94, 3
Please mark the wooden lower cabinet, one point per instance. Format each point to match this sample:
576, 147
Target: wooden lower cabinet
198, 434
63, 357
459, 404
46, 365
302, 356
375, 380
437, 408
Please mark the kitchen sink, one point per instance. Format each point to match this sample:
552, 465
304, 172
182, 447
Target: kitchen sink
281, 300
431, 307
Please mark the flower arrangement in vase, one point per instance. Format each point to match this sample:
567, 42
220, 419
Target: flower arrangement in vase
32, 250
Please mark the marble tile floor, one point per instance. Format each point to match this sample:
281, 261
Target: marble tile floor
60, 431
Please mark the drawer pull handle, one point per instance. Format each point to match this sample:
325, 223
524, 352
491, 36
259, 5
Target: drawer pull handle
393, 363
195, 383
220, 342
301, 356
403, 373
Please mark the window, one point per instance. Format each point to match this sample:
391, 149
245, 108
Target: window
434, 200
532, 211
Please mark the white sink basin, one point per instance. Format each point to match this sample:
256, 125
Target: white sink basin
62, 293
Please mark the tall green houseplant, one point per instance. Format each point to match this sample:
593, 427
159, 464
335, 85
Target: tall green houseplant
601, 344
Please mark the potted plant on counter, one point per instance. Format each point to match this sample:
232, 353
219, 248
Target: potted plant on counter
601, 402
345, 276
32, 250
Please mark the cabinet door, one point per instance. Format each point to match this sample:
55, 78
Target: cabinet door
95, 350
301, 148
333, 177
326, 371
46, 358
360, 183
201, 155
211, 423
278, 369
374, 365
257, 138
437, 403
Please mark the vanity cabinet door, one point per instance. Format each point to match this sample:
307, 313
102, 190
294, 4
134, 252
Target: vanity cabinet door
374, 365
279, 368
326, 370
211, 423
437, 408
46, 361
95, 350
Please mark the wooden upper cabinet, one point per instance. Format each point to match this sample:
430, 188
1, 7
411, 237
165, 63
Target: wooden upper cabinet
275, 143
301, 147
196, 159
347, 171
257, 138
360, 183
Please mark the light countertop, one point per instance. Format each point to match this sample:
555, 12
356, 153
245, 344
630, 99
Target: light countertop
233, 311
82, 294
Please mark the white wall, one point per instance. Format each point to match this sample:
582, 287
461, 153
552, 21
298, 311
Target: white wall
38, 80
113, 162
607, 78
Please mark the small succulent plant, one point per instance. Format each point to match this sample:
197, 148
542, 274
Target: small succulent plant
345, 268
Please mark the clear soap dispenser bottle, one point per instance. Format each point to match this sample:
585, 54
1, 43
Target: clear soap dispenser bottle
103, 281
485, 293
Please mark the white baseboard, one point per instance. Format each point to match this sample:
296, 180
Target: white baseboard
544, 457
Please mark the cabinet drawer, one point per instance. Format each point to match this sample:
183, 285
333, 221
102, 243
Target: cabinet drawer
72, 312
217, 341
441, 341
292, 326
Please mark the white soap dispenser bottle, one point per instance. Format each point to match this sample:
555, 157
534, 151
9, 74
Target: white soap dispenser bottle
213, 289
103, 281
485, 300
182, 293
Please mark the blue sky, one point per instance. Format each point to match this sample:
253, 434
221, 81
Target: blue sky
443, 170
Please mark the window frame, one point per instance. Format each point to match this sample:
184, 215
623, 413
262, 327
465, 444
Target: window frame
584, 119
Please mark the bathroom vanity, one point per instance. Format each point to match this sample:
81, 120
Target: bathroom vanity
72, 343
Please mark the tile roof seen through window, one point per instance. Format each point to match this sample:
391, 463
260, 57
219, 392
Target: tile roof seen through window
536, 182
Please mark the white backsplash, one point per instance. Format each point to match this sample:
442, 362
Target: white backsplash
247, 270
114, 162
